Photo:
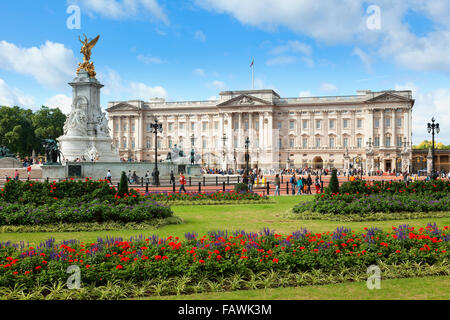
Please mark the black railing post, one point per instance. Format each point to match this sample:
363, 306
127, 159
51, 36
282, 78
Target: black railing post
268, 188
238, 179
223, 186
146, 187
321, 186
204, 181
190, 182
142, 181
217, 180
173, 187
287, 188
199, 187
228, 180
282, 179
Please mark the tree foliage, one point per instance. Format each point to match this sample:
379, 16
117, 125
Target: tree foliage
334, 182
426, 144
21, 129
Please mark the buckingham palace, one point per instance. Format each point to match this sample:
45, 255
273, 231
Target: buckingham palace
368, 130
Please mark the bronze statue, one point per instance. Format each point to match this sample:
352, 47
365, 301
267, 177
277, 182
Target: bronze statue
51, 151
86, 51
6, 153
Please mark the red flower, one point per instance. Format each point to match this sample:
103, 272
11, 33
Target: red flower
275, 260
119, 266
201, 261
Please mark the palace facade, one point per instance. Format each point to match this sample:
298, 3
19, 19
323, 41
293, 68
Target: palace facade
369, 130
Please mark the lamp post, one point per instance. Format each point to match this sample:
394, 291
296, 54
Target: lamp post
156, 127
432, 127
224, 139
247, 156
235, 162
192, 149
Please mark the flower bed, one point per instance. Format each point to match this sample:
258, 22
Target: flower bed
374, 203
366, 198
227, 197
27, 204
219, 254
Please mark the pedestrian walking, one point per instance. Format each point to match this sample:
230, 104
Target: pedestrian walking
293, 182
317, 184
16, 175
109, 176
309, 184
182, 183
251, 181
299, 186
277, 184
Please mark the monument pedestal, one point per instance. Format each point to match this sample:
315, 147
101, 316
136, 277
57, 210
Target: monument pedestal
86, 131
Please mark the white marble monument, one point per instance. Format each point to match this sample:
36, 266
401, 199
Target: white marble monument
86, 132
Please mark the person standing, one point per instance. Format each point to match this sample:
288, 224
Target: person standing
172, 177
109, 176
293, 182
309, 183
251, 181
299, 185
277, 185
147, 177
16, 175
317, 184
182, 183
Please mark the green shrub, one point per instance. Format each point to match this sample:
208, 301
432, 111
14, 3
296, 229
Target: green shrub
123, 185
241, 187
333, 187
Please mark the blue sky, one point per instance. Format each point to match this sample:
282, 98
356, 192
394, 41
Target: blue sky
193, 49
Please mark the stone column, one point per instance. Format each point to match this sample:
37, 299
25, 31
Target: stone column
325, 130
353, 129
339, 140
261, 130
394, 129
382, 133
311, 130
299, 129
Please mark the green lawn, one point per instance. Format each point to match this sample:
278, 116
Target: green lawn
202, 219
428, 288
253, 217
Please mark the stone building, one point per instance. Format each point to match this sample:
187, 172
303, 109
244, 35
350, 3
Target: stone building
369, 130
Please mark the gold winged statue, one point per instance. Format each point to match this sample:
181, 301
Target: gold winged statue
86, 51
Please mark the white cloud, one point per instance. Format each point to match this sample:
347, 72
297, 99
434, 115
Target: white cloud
199, 72
61, 101
200, 36
305, 94
141, 91
328, 88
281, 60
115, 89
345, 21
293, 46
13, 97
51, 64
430, 104
330, 21
151, 60
125, 9
220, 85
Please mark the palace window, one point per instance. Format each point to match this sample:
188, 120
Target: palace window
204, 143
124, 127
359, 142
132, 127
204, 126
216, 125
359, 123
124, 143
236, 125
305, 143
317, 142
399, 141
345, 123
159, 143
305, 124
257, 143
181, 125
246, 125
257, 125
235, 141
399, 122
387, 122
318, 123
280, 144
345, 142
133, 145
331, 142
377, 142
170, 127
291, 125
331, 123
192, 126
116, 127
170, 143
147, 144
279, 125
291, 143
388, 141
377, 123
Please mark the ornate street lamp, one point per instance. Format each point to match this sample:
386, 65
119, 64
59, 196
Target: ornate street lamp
432, 127
224, 139
247, 156
156, 127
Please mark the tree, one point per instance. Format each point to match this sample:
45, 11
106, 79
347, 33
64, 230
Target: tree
426, 144
333, 187
123, 185
21, 130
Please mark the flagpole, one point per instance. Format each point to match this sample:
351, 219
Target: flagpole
253, 74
